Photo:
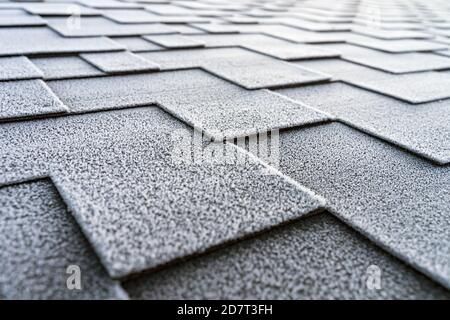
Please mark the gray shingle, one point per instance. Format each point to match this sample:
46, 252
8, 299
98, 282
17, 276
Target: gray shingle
242, 67
119, 62
16, 41
168, 10
142, 16
145, 208
369, 130
391, 34
313, 26
21, 20
445, 53
65, 67
97, 26
171, 10
39, 240
316, 258
412, 87
267, 45
395, 46
27, 98
394, 63
109, 4
18, 68
185, 29
175, 41
390, 25
422, 129
59, 9
216, 28
397, 200
205, 101
137, 44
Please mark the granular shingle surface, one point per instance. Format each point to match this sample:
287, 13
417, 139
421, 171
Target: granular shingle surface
412, 87
119, 62
65, 67
285, 264
42, 40
209, 103
398, 200
229, 63
27, 98
147, 208
387, 118
18, 68
40, 241
214, 149
393, 63
98, 26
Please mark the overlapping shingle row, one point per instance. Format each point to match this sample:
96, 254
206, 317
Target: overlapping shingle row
95, 93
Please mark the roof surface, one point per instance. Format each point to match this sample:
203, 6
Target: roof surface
225, 149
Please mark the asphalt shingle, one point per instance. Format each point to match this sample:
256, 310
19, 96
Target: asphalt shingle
300, 261
27, 98
174, 41
119, 62
126, 119
18, 68
146, 208
99, 26
267, 45
202, 100
391, 34
394, 63
41, 40
209, 103
397, 200
20, 19
59, 9
39, 240
396, 46
412, 87
65, 67
137, 44
422, 129
141, 16
242, 67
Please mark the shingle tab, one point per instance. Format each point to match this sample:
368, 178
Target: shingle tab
397, 200
18, 68
142, 16
422, 129
60, 9
164, 209
97, 26
39, 241
21, 20
137, 44
119, 62
412, 87
17, 41
65, 67
396, 46
27, 98
242, 67
267, 45
211, 104
394, 63
137, 112
109, 4
391, 34
316, 258
174, 41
